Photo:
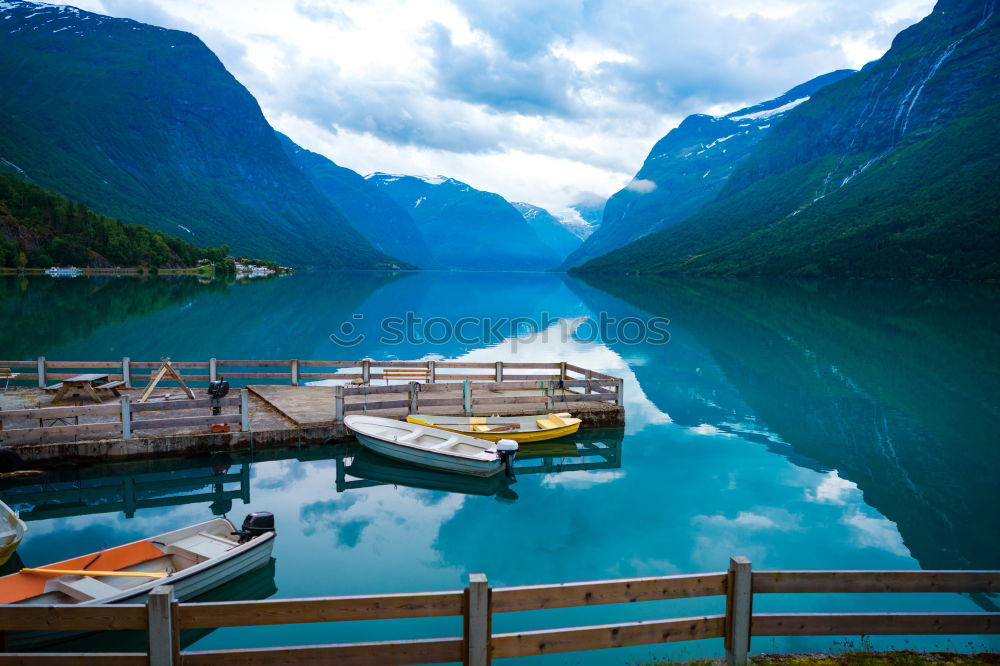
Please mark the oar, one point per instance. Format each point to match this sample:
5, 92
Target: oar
86, 572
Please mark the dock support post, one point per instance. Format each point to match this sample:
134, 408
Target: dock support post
739, 598
478, 621
414, 391
294, 369
499, 371
366, 371
244, 409
127, 371
41, 372
162, 629
126, 417
212, 375
338, 404
431, 371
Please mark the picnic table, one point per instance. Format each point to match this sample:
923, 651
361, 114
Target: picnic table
88, 384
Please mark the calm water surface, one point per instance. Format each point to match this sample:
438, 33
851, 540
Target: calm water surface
805, 425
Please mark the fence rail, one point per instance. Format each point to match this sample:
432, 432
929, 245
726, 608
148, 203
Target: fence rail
42, 370
162, 617
124, 425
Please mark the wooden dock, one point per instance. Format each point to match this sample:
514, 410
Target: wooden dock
280, 413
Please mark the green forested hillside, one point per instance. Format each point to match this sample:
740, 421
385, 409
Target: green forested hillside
39, 228
888, 173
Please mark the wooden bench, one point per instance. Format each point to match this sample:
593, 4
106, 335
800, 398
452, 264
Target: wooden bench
111, 386
5, 373
406, 373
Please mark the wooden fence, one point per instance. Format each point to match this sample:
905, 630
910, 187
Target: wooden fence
42, 371
54, 422
163, 618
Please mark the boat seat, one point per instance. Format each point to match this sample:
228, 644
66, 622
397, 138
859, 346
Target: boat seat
83, 588
445, 444
411, 435
200, 546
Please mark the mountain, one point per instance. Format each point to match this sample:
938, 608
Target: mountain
890, 172
553, 233
687, 168
39, 228
589, 209
373, 213
467, 228
146, 125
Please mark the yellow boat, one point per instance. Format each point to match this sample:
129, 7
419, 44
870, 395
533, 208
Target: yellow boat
521, 429
12, 531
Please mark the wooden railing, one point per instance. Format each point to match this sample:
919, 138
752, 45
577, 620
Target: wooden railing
162, 618
124, 423
42, 371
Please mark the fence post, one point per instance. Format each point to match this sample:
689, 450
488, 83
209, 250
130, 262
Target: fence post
414, 390
126, 417
41, 372
162, 631
739, 602
212, 376
338, 404
127, 371
467, 398
619, 386
562, 371
478, 621
244, 409
295, 371
550, 396
431, 371
366, 370
499, 371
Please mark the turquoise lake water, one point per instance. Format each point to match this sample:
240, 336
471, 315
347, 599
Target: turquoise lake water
848, 425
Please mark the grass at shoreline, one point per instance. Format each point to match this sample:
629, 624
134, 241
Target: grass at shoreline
860, 658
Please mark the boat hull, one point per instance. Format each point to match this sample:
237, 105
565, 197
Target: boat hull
429, 459
12, 531
519, 437
187, 584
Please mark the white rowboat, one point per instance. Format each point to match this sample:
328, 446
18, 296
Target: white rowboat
193, 560
12, 531
430, 447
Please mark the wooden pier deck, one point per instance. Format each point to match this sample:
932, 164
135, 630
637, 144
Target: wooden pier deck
34, 433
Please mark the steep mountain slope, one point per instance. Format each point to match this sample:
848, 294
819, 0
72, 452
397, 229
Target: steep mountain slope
146, 125
548, 227
890, 172
373, 213
687, 168
39, 228
467, 228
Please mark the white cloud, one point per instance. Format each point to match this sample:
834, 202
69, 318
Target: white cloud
879, 533
536, 101
832, 490
580, 479
640, 186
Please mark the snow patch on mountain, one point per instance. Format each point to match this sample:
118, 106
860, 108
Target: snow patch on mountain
769, 113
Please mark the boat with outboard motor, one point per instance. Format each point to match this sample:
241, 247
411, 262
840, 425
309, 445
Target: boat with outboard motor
431, 447
521, 429
192, 560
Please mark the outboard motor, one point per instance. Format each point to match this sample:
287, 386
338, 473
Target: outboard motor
255, 524
506, 450
217, 391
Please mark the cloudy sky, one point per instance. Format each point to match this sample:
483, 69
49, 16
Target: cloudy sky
539, 100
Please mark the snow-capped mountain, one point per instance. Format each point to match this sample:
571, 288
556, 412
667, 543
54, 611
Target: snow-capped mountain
467, 228
687, 168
